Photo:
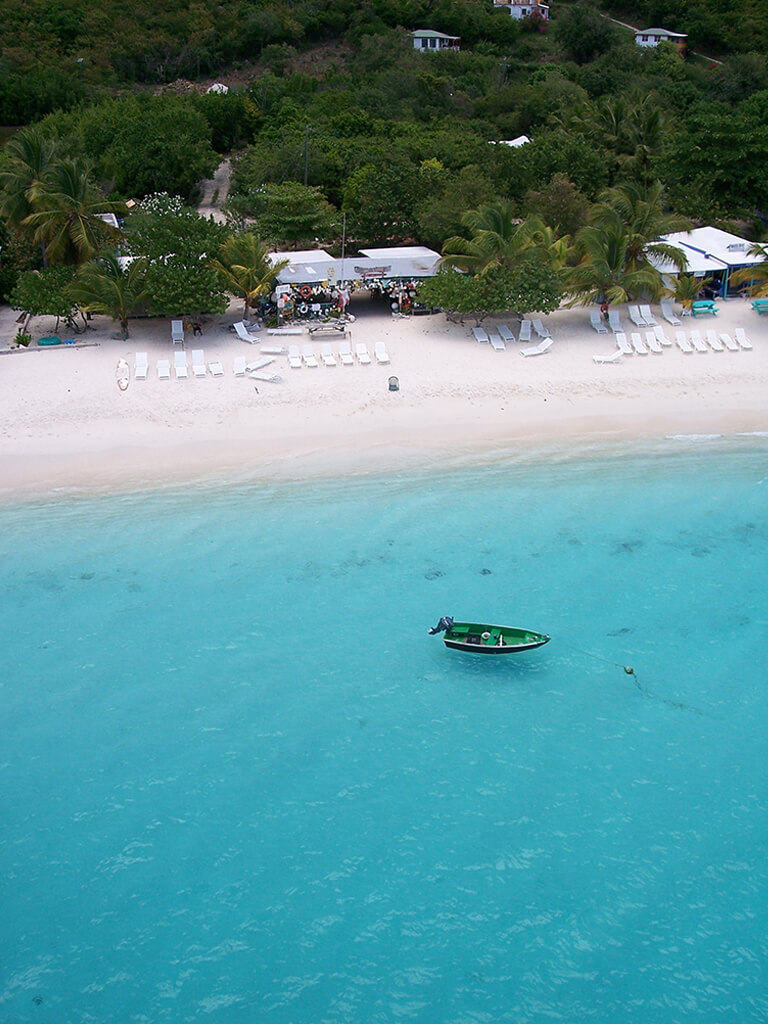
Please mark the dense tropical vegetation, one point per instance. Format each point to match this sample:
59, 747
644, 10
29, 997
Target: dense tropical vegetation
334, 124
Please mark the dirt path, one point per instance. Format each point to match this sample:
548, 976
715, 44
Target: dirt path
215, 191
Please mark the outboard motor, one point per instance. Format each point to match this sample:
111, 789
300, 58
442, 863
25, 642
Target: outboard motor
445, 623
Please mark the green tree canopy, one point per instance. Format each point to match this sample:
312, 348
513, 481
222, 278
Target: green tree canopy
149, 144
289, 214
177, 245
45, 292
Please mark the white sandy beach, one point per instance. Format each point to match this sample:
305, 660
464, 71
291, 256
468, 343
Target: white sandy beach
65, 423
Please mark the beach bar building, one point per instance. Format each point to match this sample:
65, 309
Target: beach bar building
710, 253
315, 284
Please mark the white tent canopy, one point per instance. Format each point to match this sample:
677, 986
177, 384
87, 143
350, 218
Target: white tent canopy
314, 266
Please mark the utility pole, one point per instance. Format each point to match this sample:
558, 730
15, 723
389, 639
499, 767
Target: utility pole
306, 154
343, 243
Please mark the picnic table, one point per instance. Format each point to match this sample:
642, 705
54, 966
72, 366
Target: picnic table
704, 307
760, 305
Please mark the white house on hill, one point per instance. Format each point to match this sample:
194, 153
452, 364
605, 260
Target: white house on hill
520, 9
427, 41
654, 36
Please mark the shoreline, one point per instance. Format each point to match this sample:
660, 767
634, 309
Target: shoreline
66, 427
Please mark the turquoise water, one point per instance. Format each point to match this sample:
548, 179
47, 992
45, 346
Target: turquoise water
240, 783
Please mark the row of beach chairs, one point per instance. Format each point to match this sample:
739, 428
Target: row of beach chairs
640, 315
656, 341
304, 355
499, 337
201, 368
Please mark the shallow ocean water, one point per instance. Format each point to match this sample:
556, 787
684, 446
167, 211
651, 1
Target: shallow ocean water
240, 783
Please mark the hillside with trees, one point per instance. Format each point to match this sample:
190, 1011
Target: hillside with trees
334, 123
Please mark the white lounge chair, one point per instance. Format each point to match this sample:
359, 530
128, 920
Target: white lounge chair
638, 344
294, 357
326, 354
140, 366
661, 336
258, 364
180, 364
623, 345
653, 342
636, 317
309, 357
505, 334
238, 366
164, 369
525, 330
741, 338
479, 334
541, 330
244, 334
614, 357
271, 378
538, 350
198, 362
669, 314
380, 352
177, 332
361, 352
729, 343
697, 343
273, 350
647, 314
682, 342
714, 342
497, 343
345, 354
614, 321
597, 321
285, 330
216, 368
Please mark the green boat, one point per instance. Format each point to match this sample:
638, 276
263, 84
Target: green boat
482, 638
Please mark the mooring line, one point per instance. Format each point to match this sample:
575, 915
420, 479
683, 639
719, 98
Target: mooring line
629, 670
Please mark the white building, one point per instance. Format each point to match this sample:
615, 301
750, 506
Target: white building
711, 253
427, 41
654, 36
521, 140
520, 9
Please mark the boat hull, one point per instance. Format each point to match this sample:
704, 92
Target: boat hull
480, 638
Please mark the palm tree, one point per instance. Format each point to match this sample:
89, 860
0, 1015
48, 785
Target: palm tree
245, 269
65, 214
687, 289
640, 208
30, 156
110, 288
499, 239
492, 227
756, 276
617, 251
629, 129
606, 271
